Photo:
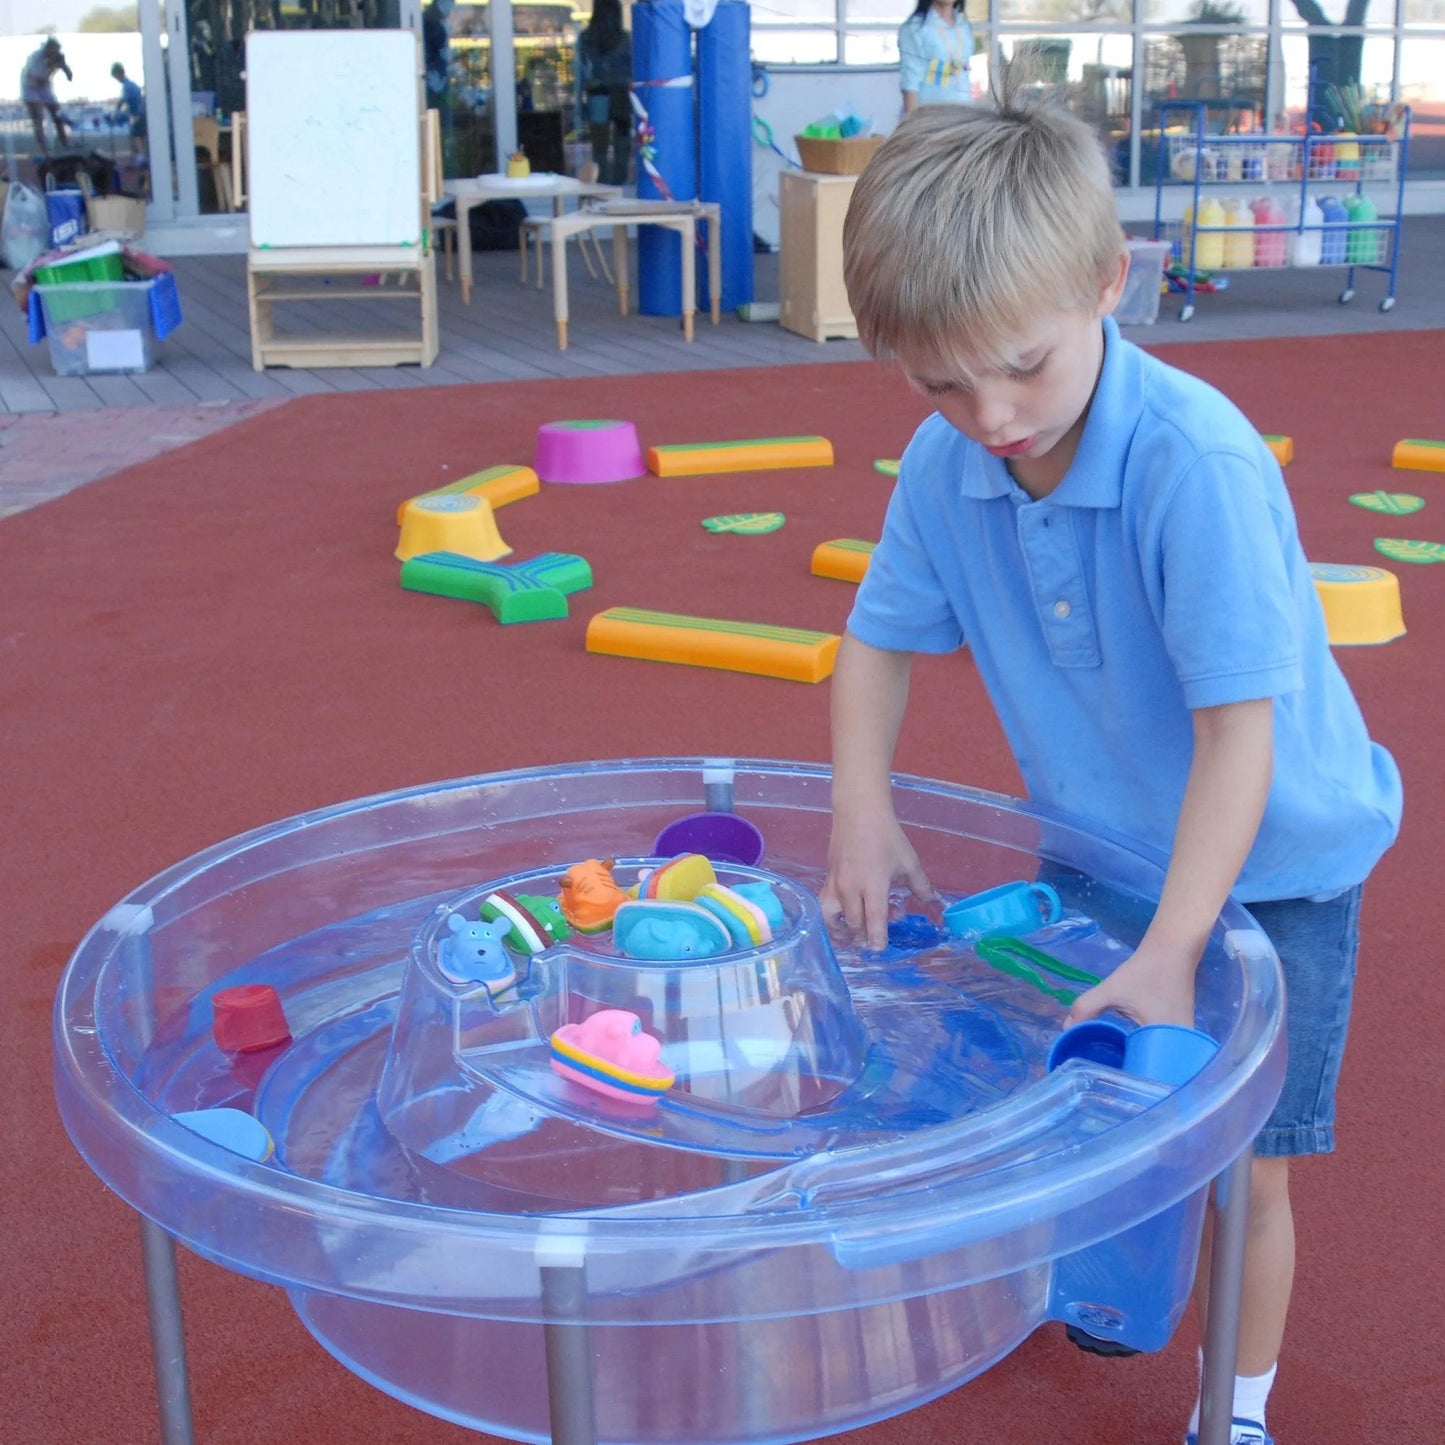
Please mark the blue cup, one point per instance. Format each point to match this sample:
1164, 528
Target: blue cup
1095, 1041
1012, 909
1168, 1053
1165, 1053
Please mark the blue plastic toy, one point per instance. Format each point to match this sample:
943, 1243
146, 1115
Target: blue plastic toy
475, 953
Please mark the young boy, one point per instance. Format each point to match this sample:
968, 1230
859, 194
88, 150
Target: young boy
1114, 542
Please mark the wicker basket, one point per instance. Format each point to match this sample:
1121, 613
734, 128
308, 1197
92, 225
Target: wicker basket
845, 157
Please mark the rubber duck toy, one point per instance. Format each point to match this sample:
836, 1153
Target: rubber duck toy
610, 1054
588, 896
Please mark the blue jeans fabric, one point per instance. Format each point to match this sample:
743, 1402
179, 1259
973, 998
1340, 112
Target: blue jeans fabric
1318, 945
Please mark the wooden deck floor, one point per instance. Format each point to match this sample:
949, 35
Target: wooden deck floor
507, 333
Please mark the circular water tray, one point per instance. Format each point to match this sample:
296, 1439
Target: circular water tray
853, 1149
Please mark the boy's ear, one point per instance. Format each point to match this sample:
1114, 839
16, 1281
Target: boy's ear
1113, 289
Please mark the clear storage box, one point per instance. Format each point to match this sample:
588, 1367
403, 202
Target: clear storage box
1139, 305
103, 326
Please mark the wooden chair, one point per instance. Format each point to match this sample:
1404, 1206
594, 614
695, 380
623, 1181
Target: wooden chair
207, 132
536, 230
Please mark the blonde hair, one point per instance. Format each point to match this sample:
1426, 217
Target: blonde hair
969, 224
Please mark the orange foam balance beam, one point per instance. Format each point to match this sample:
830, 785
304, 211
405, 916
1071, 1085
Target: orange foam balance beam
845, 558
693, 459
1282, 447
1415, 454
787, 652
498, 485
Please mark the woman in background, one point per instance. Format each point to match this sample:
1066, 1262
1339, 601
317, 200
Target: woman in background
935, 45
604, 68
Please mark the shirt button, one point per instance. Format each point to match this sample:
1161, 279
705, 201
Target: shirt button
1062, 609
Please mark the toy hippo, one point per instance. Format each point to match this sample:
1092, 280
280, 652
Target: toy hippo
474, 953
664, 931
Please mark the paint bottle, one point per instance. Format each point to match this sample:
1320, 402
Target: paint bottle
1270, 247
1332, 247
1305, 244
1363, 246
1347, 156
1239, 238
1208, 237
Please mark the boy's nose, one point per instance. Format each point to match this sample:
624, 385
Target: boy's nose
992, 413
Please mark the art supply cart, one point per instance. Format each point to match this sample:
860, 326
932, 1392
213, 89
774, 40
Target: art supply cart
1258, 200
306, 1055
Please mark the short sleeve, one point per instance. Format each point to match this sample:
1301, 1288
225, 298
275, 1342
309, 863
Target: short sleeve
902, 606
1230, 619
912, 63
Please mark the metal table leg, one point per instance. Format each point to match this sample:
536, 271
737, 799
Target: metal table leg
569, 1355
168, 1340
1226, 1281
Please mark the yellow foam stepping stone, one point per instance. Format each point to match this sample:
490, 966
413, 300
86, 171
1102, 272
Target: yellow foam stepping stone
1362, 604
1416, 454
692, 459
455, 523
757, 647
498, 485
844, 558
1282, 447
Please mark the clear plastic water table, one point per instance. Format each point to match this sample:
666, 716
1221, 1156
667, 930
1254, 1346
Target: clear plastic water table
863, 1186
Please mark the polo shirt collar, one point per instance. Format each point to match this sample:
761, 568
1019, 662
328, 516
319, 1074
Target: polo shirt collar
1096, 475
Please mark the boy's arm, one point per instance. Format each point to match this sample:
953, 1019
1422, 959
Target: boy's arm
868, 849
1224, 800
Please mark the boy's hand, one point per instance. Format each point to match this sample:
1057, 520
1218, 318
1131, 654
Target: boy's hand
1154, 986
865, 859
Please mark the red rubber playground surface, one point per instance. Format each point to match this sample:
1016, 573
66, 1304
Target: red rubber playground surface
215, 638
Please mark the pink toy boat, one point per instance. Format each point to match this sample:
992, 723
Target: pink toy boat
610, 1054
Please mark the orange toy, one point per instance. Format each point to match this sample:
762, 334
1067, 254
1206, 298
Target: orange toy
588, 896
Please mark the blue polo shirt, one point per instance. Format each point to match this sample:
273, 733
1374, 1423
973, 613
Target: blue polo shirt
1164, 573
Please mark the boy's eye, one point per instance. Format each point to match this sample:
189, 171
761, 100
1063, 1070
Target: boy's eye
1027, 373
936, 388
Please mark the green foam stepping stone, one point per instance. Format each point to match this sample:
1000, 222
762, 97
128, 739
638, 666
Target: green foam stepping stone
887, 467
745, 524
1402, 549
531, 591
1396, 503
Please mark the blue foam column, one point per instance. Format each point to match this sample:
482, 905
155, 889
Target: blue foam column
662, 50
725, 144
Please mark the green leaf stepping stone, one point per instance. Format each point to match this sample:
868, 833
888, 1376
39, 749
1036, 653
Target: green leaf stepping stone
745, 524
1398, 504
1404, 550
887, 467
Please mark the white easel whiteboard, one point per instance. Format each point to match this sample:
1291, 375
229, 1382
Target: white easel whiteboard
333, 137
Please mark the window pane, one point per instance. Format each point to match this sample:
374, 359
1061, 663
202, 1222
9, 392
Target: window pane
1422, 87
781, 11
1063, 12
1373, 13
1425, 12
899, 10
794, 47
1228, 14
1224, 72
871, 47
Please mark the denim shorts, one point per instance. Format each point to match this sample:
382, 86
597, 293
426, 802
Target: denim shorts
1318, 944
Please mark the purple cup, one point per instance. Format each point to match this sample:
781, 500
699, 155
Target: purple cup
720, 837
1096, 1041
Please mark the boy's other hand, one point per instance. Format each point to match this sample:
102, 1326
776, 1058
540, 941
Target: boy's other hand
1152, 986
864, 861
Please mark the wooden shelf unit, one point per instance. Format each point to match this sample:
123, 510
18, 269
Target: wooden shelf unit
813, 301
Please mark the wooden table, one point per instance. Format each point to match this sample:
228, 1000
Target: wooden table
679, 216
474, 190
